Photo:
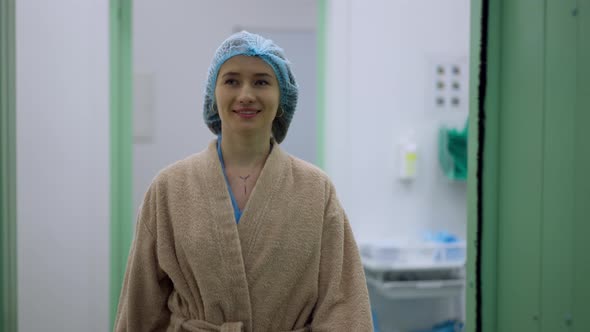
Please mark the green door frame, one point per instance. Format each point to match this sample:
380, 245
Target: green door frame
483, 160
8, 259
121, 95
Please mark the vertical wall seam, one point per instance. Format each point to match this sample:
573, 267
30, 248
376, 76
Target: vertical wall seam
321, 83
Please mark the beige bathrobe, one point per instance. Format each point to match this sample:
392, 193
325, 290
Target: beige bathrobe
291, 264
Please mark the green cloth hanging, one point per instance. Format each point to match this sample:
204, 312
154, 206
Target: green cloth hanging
452, 152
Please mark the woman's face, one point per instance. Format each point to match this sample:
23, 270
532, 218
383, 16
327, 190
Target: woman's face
247, 95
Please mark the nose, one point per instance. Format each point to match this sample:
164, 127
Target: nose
246, 95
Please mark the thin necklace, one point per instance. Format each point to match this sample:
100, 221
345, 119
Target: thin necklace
244, 178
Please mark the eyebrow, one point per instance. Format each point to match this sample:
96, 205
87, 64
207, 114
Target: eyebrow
233, 73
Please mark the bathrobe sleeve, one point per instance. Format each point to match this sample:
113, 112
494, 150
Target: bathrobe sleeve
343, 300
146, 288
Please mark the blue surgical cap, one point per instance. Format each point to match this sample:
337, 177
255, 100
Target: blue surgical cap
245, 43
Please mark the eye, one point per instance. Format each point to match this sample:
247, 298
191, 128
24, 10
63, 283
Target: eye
261, 82
231, 81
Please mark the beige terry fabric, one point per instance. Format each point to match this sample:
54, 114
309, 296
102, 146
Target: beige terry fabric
291, 264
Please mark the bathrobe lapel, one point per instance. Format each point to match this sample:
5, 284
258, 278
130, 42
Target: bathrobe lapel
260, 202
233, 240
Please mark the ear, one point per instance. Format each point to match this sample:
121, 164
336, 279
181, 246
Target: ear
280, 113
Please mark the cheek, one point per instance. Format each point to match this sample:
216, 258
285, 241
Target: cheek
220, 103
220, 98
217, 96
274, 97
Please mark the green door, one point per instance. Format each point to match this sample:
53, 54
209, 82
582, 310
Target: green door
536, 184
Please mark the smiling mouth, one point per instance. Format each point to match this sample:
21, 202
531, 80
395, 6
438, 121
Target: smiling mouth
249, 113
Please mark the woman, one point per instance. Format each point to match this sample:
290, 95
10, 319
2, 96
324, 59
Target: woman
243, 236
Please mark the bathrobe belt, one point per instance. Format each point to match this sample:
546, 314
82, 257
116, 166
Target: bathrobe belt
195, 325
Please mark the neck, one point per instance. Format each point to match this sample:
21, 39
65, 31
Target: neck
244, 151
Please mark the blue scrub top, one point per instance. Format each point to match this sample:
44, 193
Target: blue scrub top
234, 203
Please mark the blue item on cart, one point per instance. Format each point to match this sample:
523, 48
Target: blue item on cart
441, 237
447, 326
375, 324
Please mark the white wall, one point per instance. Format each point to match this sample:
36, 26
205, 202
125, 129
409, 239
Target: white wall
174, 42
62, 165
379, 54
